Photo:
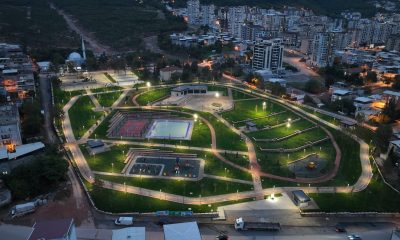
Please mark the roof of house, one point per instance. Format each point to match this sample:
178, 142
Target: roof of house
52, 229
301, 196
95, 143
133, 233
363, 100
25, 149
392, 93
341, 92
170, 69
396, 143
189, 87
182, 231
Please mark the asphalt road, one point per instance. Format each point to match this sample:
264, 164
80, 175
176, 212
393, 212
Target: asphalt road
47, 107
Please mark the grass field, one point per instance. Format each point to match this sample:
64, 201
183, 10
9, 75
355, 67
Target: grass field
152, 95
82, 116
107, 99
106, 89
276, 163
204, 187
120, 202
111, 161
251, 109
226, 138
297, 140
282, 131
223, 90
239, 95
377, 197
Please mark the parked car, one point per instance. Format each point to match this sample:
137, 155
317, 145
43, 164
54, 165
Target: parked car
124, 221
354, 237
222, 237
340, 228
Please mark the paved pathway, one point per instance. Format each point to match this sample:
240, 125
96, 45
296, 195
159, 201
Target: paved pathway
72, 145
147, 144
94, 100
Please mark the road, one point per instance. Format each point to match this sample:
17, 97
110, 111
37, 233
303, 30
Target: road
47, 107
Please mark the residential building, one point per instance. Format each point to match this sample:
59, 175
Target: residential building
10, 128
392, 95
207, 16
193, 11
322, 52
268, 55
341, 94
166, 73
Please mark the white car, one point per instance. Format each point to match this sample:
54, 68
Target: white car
354, 237
124, 221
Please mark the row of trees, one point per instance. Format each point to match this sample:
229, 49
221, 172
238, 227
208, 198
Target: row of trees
40, 176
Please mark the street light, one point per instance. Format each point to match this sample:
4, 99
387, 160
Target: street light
264, 104
195, 116
217, 94
148, 84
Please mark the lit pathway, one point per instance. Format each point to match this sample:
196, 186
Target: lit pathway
254, 166
174, 178
72, 145
147, 144
93, 98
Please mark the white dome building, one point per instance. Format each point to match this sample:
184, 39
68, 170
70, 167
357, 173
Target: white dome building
75, 58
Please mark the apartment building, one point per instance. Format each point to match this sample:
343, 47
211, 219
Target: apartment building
268, 55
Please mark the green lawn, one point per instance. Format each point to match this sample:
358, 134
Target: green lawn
226, 138
120, 202
282, 131
106, 89
239, 95
102, 162
107, 99
377, 197
297, 140
222, 90
251, 109
272, 120
276, 163
82, 116
204, 187
153, 95
60, 99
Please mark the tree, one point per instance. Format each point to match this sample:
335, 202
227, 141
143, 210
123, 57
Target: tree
390, 109
383, 134
194, 67
396, 83
31, 118
329, 80
313, 86
371, 77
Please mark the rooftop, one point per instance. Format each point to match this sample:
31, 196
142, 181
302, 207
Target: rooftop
341, 92
134, 233
8, 114
55, 229
182, 231
392, 93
